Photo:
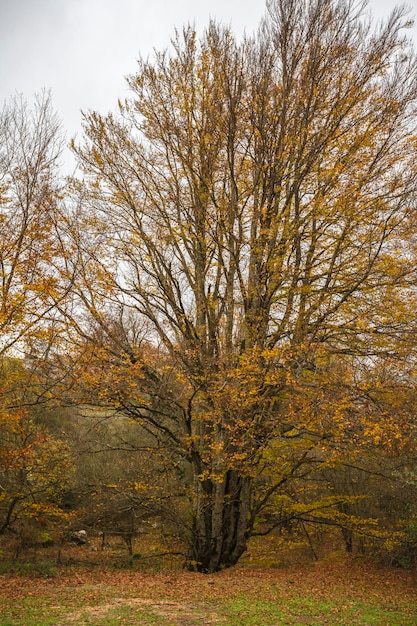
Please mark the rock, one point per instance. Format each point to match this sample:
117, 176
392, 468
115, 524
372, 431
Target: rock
79, 537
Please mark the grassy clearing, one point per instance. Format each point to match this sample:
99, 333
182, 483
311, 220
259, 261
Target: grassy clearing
340, 593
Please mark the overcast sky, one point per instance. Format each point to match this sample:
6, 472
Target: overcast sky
82, 49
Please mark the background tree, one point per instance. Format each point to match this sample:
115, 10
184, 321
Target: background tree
253, 207
125, 483
34, 464
30, 144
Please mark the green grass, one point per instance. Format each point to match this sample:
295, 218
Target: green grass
43, 569
304, 610
32, 612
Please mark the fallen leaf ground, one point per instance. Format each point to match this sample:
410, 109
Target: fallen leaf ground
343, 592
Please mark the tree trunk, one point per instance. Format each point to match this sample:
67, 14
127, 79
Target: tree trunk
221, 523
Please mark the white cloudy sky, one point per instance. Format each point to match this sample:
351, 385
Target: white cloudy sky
82, 49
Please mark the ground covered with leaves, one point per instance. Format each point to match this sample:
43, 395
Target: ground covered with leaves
332, 591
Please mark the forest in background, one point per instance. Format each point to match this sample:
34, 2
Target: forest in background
209, 332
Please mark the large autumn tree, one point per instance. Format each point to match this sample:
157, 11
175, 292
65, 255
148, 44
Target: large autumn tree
245, 223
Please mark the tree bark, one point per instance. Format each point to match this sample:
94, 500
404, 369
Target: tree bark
221, 524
